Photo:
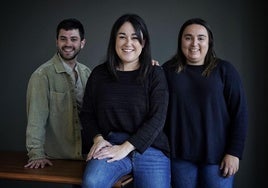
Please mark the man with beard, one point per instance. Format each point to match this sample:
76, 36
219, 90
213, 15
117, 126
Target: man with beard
54, 97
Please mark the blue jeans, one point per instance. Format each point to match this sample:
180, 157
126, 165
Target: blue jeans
150, 169
185, 174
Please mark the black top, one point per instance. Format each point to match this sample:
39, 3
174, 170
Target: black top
207, 116
127, 105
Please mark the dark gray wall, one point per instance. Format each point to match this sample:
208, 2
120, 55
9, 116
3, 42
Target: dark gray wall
27, 39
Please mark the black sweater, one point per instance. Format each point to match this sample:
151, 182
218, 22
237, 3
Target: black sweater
128, 106
207, 116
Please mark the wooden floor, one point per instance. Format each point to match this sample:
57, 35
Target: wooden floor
63, 171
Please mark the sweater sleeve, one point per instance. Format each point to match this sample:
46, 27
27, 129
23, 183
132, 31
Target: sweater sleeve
88, 115
237, 107
157, 95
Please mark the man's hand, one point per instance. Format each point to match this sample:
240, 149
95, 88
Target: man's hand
39, 163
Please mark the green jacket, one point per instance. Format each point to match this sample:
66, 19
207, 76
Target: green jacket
53, 128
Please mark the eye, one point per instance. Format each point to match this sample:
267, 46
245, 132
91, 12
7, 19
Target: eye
135, 37
62, 38
201, 38
120, 36
74, 39
187, 38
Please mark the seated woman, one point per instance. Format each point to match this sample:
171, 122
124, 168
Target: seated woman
124, 111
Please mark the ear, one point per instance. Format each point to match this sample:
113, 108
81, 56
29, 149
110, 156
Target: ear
143, 43
83, 42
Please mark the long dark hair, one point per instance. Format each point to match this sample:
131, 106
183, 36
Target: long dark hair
113, 61
178, 61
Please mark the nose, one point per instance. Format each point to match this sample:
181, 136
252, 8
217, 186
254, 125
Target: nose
68, 42
194, 41
128, 41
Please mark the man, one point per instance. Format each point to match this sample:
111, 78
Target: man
54, 97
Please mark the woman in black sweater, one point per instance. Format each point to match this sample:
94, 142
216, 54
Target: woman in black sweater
124, 111
207, 115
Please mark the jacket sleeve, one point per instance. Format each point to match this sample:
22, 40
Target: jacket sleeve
37, 114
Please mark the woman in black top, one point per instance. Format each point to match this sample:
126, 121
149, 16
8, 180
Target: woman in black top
124, 111
207, 115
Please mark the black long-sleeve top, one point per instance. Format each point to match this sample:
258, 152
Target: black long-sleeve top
127, 105
207, 116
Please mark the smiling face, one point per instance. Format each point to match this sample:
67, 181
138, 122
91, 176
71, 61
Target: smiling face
195, 44
69, 44
128, 47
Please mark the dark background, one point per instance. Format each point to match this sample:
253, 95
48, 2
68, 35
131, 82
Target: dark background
27, 39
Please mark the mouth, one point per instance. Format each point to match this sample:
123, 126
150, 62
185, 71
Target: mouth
127, 50
67, 49
194, 50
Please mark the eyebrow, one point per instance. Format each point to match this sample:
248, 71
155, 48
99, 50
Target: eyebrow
62, 36
200, 35
121, 33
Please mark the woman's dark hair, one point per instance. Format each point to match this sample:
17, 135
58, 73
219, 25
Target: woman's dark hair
142, 33
178, 61
69, 24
